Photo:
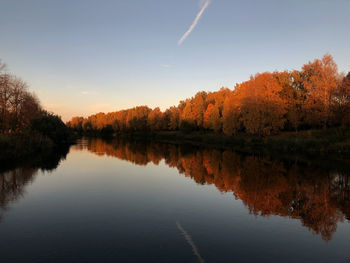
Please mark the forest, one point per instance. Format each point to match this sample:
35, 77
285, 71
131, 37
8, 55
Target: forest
25, 127
315, 97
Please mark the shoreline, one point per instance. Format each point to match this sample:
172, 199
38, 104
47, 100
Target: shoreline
17, 148
333, 143
320, 142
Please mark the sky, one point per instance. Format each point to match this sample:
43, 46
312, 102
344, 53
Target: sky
82, 56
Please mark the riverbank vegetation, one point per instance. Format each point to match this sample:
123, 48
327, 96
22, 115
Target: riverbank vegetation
25, 127
334, 141
296, 103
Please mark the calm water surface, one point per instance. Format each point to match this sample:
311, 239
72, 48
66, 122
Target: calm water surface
146, 202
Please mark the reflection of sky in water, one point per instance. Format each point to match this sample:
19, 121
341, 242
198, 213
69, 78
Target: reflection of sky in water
106, 209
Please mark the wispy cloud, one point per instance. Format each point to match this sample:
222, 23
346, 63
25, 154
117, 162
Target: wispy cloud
85, 92
190, 29
165, 66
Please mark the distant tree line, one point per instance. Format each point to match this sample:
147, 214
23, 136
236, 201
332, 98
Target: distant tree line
317, 96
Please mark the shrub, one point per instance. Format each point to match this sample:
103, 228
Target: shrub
52, 126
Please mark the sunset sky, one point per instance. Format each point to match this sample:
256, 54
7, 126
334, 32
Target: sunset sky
83, 56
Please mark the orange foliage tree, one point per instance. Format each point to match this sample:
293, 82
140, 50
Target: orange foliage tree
155, 119
341, 102
262, 107
320, 83
231, 114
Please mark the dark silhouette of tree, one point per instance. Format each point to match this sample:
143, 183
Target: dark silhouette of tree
341, 102
52, 126
17, 105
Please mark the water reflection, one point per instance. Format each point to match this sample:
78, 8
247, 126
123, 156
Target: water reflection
13, 181
318, 197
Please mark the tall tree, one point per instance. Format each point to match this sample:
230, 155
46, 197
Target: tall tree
212, 119
231, 115
199, 106
174, 118
155, 119
341, 102
262, 107
320, 82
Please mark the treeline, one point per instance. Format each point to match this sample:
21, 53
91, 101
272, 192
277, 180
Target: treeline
315, 194
25, 127
317, 96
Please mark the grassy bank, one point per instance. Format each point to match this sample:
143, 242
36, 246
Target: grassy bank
43, 135
30, 150
17, 147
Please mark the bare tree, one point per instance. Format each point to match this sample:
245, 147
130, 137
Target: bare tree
5, 95
19, 93
17, 106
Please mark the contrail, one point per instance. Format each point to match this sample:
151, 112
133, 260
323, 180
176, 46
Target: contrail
206, 4
190, 242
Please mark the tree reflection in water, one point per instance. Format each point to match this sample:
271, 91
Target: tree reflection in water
14, 180
318, 197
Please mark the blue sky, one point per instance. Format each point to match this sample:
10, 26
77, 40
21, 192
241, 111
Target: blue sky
84, 56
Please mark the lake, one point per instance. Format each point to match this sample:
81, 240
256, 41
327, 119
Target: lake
127, 201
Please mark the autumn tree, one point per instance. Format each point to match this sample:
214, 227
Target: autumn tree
155, 119
320, 82
231, 114
212, 118
218, 98
215, 119
207, 116
76, 123
262, 107
293, 94
187, 114
137, 118
341, 102
173, 114
199, 107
